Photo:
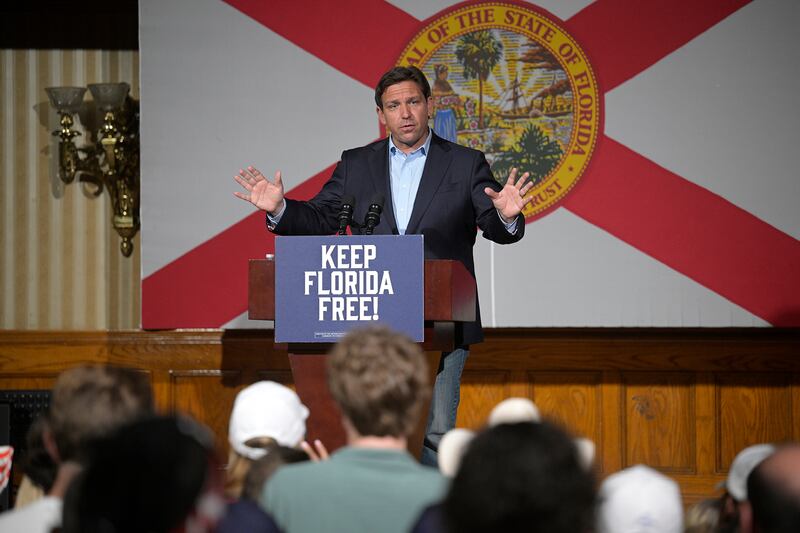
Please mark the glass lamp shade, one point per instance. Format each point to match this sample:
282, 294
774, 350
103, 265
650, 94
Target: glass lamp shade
66, 99
109, 96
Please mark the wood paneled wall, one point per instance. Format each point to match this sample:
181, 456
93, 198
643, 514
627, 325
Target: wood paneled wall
60, 264
683, 401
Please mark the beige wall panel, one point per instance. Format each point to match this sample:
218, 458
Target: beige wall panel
20, 176
6, 189
41, 228
66, 205
59, 256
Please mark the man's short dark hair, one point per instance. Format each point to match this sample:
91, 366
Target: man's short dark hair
398, 75
521, 477
90, 402
776, 506
37, 464
379, 379
145, 476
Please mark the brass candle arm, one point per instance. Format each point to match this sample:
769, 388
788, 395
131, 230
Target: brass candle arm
112, 162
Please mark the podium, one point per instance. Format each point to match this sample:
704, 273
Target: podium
450, 296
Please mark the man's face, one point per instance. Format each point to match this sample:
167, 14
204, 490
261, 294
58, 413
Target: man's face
405, 113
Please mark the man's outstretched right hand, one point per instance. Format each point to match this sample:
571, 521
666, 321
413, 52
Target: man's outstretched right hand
262, 193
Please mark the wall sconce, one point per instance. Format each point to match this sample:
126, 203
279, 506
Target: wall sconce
111, 163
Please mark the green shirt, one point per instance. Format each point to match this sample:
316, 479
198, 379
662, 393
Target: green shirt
356, 490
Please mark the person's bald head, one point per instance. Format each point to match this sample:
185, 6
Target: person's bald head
783, 469
773, 489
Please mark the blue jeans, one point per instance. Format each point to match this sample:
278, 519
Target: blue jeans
444, 403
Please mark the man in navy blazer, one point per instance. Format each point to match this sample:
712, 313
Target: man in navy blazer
431, 186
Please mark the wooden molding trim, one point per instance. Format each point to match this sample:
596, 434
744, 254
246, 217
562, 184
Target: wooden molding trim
682, 400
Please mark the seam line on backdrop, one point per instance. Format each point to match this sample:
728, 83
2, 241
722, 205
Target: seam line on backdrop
7, 62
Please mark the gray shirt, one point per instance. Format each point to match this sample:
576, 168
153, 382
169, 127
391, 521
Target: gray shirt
357, 489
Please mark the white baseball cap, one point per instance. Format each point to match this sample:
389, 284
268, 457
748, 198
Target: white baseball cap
452, 447
639, 500
513, 410
266, 409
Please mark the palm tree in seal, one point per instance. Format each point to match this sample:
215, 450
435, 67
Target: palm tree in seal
535, 153
479, 52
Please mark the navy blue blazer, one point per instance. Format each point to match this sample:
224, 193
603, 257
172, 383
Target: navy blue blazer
450, 205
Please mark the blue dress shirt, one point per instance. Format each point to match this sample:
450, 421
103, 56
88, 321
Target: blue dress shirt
405, 175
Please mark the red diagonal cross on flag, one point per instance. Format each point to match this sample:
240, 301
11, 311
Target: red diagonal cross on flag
733, 253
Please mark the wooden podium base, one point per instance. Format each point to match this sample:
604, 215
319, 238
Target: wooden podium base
325, 421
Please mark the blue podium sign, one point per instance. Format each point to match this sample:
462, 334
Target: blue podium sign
326, 286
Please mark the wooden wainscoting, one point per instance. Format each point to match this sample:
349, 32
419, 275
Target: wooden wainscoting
684, 401
681, 400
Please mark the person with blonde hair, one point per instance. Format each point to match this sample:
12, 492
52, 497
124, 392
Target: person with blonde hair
264, 414
702, 517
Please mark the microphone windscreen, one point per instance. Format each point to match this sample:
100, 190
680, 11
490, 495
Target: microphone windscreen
348, 199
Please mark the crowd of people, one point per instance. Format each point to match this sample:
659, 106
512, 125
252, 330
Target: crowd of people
103, 461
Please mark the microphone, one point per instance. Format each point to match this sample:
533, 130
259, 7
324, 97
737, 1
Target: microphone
373, 214
346, 213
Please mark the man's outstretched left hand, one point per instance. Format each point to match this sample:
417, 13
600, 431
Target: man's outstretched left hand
510, 200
